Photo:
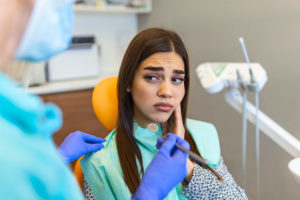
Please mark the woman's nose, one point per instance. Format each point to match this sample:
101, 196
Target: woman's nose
165, 90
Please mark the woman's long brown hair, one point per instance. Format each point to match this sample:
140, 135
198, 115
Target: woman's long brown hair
145, 44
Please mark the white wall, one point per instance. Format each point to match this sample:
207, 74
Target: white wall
271, 29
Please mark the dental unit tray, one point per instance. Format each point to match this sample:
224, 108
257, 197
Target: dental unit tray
216, 76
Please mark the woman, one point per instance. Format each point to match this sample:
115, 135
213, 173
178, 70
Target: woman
153, 87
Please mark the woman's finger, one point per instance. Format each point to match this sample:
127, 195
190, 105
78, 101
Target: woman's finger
178, 123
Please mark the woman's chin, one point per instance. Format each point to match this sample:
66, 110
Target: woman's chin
161, 119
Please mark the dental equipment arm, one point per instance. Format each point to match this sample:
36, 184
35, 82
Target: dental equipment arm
273, 130
216, 76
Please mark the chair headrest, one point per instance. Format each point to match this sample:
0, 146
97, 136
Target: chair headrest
105, 102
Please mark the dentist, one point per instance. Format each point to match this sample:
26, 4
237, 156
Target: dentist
30, 165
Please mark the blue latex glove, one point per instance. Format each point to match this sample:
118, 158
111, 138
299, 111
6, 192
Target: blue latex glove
167, 169
78, 144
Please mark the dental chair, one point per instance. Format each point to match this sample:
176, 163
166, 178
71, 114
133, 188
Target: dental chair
105, 105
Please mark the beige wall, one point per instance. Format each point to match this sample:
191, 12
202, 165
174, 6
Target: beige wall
271, 29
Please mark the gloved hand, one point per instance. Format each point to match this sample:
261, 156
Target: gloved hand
167, 169
78, 144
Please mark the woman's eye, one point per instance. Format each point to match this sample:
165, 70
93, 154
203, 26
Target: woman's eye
178, 80
151, 78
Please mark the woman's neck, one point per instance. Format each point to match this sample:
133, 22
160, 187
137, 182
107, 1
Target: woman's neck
143, 123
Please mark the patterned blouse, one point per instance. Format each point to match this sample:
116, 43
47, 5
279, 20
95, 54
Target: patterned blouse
203, 185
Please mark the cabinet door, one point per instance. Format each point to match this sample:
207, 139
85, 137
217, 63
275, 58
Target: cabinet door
78, 114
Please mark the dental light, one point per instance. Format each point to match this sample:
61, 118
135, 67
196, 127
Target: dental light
236, 77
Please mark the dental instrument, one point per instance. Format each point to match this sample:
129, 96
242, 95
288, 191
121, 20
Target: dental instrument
154, 127
257, 140
241, 40
244, 136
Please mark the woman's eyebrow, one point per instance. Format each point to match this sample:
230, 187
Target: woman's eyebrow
151, 68
175, 71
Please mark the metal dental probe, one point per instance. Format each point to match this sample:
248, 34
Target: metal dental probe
153, 127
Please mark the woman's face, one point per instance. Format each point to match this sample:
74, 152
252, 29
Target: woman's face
157, 88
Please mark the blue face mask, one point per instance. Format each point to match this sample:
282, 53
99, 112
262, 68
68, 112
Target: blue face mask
48, 32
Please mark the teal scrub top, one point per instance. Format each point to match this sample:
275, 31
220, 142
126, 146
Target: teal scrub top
103, 173
30, 167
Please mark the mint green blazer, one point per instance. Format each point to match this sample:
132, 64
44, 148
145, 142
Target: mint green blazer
103, 172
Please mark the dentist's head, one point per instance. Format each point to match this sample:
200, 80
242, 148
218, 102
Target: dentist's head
34, 30
14, 17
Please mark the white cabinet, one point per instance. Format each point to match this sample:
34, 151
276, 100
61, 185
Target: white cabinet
144, 7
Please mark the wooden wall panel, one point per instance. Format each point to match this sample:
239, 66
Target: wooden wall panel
78, 114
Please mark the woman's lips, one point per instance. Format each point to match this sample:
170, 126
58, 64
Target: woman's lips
163, 107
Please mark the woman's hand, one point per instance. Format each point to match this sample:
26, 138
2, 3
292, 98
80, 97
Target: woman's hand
189, 168
176, 123
178, 129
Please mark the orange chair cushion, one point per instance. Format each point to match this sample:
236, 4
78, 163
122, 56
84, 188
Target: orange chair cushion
105, 102
78, 172
105, 105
